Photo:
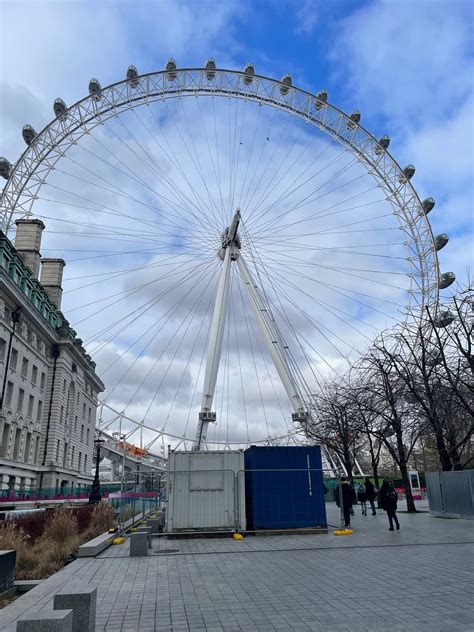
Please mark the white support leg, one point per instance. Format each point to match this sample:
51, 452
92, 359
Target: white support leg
214, 349
272, 338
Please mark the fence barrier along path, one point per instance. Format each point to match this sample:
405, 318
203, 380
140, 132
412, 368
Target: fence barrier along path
451, 494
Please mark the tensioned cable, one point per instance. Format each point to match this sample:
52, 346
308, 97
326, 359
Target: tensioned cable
296, 161
248, 320
193, 312
128, 172
162, 324
158, 171
175, 161
254, 253
155, 300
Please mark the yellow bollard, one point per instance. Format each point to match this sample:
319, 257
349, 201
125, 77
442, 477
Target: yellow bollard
118, 541
343, 532
238, 536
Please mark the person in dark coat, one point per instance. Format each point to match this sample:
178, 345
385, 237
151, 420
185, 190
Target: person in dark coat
348, 497
370, 491
362, 498
388, 501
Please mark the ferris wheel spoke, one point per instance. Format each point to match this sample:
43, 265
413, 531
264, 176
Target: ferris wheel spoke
296, 185
156, 171
160, 325
128, 173
184, 324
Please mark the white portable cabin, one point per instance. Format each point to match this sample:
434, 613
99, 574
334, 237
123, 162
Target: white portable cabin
206, 491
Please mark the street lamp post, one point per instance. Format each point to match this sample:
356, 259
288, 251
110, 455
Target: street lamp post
95, 495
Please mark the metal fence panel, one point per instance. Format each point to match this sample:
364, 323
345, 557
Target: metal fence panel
451, 493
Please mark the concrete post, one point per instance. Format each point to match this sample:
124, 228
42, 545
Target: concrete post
146, 530
83, 604
28, 242
138, 544
45, 621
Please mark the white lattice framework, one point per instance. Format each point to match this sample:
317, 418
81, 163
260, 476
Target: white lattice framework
53, 142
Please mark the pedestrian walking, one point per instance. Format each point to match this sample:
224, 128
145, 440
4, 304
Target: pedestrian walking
362, 498
388, 502
370, 491
347, 499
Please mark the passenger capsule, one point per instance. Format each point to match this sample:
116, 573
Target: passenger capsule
28, 134
444, 318
354, 119
59, 107
210, 69
408, 173
428, 205
249, 72
383, 145
171, 69
433, 356
95, 88
446, 279
441, 241
321, 99
5, 168
285, 84
132, 76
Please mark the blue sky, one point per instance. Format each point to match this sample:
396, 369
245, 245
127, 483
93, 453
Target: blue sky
406, 65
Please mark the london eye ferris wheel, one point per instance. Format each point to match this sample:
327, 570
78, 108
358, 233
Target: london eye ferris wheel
231, 242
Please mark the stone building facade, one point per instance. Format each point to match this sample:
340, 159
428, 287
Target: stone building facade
49, 385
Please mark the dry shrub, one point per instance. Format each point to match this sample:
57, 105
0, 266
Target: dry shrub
102, 519
60, 527
12, 537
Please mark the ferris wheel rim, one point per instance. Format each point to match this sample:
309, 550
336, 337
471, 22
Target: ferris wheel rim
428, 274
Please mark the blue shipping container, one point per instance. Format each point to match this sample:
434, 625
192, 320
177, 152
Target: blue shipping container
277, 496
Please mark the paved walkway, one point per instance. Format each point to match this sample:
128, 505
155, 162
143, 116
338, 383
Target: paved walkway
418, 579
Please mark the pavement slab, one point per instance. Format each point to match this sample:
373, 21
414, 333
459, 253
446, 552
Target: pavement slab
416, 580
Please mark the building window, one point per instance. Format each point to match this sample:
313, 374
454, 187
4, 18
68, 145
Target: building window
31, 404
75, 423
34, 374
79, 462
85, 463
40, 411
9, 394
72, 456
24, 368
61, 418
21, 397
3, 347
5, 440
37, 445
87, 436
64, 386
82, 433
16, 444
90, 415
26, 453
83, 411
57, 450
43, 379
14, 359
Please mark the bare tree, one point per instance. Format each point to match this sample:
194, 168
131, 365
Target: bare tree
333, 423
399, 426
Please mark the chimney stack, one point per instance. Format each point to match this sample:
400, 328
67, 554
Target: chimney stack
28, 242
52, 278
